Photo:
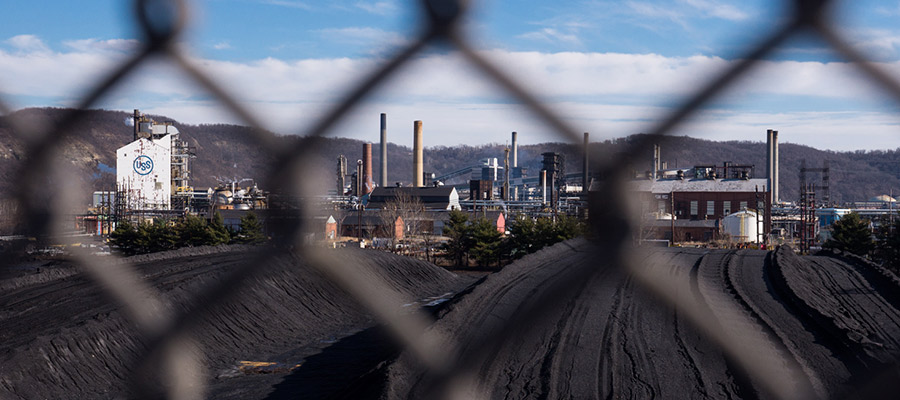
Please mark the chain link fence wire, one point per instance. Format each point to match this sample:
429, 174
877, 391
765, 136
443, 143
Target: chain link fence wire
172, 365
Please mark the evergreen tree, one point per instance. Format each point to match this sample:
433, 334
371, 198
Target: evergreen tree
528, 235
458, 230
521, 238
193, 231
125, 238
157, 236
851, 234
486, 242
887, 248
251, 230
218, 231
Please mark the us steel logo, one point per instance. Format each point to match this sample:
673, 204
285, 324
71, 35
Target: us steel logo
143, 165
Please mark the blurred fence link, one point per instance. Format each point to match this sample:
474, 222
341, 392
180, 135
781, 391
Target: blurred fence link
172, 360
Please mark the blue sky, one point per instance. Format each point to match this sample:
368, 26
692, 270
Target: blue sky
609, 67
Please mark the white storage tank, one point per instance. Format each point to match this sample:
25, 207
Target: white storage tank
742, 226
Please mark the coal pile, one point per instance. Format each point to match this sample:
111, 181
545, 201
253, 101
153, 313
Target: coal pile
63, 337
823, 326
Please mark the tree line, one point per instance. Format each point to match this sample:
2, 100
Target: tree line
855, 234
190, 231
478, 238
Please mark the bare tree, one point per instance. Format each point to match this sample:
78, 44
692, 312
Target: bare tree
408, 208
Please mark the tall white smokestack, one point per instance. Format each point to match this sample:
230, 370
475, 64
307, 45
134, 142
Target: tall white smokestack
418, 168
384, 178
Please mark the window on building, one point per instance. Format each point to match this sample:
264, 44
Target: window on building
694, 207
726, 207
661, 206
710, 207
743, 205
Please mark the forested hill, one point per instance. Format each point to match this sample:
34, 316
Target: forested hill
229, 151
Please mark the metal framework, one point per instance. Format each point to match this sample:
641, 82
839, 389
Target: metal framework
167, 334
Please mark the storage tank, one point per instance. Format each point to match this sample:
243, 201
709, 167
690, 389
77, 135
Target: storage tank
741, 226
222, 197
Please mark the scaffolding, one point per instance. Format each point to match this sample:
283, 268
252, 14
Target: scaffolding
807, 217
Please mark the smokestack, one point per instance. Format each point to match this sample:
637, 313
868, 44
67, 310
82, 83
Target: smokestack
418, 168
656, 156
584, 179
769, 158
137, 122
775, 166
341, 173
367, 183
544, 187
515, 150
506, 170
383, 150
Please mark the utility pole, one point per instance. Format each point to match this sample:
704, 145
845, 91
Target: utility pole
672, 200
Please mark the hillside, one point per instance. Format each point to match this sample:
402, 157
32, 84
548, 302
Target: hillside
228, 151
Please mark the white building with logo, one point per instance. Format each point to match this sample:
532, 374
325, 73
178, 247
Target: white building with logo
144, 173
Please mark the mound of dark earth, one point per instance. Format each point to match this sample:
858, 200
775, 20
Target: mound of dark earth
832, 324
62, 337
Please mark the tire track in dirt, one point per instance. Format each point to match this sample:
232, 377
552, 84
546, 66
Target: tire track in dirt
744, 325
67, 339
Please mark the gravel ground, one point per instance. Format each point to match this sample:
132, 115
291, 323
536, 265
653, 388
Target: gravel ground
825, 326
61, 337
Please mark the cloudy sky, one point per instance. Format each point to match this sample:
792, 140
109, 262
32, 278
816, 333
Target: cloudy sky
611, 68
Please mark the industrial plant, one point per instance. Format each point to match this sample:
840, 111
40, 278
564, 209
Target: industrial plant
153, 180
715, 204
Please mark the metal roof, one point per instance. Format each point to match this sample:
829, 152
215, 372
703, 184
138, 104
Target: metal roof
699, 185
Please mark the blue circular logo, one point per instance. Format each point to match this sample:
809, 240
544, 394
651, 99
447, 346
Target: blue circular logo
143, 165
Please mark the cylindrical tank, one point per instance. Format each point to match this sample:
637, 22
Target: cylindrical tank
741, 226
222, 197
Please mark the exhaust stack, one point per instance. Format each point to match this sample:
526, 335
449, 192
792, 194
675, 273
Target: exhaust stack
515, 150
367, 183
418, 168
775, 198
384, 178
656, 157
770, 168
585, 180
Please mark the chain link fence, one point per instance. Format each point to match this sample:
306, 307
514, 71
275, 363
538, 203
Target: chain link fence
171, 359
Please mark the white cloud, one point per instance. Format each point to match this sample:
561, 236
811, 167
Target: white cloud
97, 45
288, 3
551, 35
879, 44
224, 45
376, 39
716, 9
608, 94
28, 43
378, 7
681, 16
